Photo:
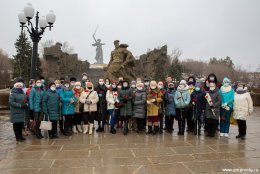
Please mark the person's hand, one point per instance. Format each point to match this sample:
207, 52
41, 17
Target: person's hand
152, 100
71, 100
148, 102
24, 106
193, 103
211, 107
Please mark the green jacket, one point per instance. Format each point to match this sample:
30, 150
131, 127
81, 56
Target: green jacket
125, 97
51, 105
35, 99
16, 100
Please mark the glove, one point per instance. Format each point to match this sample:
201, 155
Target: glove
88, 102
24, 106
124, 100
152, 100
126, 97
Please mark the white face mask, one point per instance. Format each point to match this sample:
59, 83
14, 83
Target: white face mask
38, 84
146, 83
53, 88
139, 88
212, 88
153, 87
119, 87
240, 88
212, 78
77, 87
101, 83
67, 86
107, 83
160, 86
84, 78
132, 86
42, 81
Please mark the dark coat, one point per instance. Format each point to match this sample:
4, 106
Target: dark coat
35, 99
16, 100
51, 104
200, 102
102, 102
139, 103
216, 99
125, 97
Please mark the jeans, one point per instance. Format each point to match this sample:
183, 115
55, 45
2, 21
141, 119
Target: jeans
113, 113
224, 120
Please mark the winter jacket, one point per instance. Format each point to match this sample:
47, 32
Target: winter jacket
227, 94
153, 107
16, 100
35, 99
101, 91
216, 103
125, 97
51, 104
182, 98
77, 93
198, 97
139, 103
164, 102
112, 98
92, 96
170, 107
67, 108
243, 106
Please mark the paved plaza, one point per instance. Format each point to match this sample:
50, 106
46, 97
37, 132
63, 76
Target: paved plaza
135, 153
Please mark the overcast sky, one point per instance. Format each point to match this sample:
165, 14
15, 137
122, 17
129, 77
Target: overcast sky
200, 28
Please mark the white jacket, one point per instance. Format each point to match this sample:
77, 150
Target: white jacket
243, 106
93, 97
111, 98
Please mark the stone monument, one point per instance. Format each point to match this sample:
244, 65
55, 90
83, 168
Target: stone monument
99, 51
121, 63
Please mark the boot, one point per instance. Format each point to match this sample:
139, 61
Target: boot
112, 130
150, 130
155, 130
125, 128
85, 128
90, 128
74, 129
79, 128
199, 132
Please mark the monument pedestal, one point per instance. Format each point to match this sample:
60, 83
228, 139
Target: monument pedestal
95, 72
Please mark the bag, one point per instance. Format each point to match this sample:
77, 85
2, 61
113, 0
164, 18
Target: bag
232, 120
46, 125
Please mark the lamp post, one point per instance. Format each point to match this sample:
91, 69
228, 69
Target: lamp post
35, 32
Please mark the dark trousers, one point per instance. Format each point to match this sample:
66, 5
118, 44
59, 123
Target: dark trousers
61, 124
241, 127
38, 117
169, 121
68, 122
212, 126
161, 121
53, 131
18, 129
88, 117
181, 115
77, 119
140, 123
102, 113
190, 120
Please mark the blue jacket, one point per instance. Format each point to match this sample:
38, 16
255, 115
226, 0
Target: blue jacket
182, 98
16, 99
170, 106
35, 99
67, 108
227, 96
51, 104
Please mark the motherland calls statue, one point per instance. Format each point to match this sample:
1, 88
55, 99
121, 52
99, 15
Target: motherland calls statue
121, 63
99, 51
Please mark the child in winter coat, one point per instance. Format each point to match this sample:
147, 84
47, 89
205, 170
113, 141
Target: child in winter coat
89, 98
182, 101
51, 108
154, 98
170, 108
198, 106
227, 95
243, 107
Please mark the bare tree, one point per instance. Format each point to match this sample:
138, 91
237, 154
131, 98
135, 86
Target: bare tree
66, 48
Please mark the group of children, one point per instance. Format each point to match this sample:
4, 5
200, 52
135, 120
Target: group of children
146, 105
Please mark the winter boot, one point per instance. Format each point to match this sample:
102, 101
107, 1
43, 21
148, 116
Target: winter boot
150, 130
155, 130
79, 128
74, 129
85, 128
125, 128
91, 128
112, 130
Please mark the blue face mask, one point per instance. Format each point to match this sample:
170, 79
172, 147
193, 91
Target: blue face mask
197, 89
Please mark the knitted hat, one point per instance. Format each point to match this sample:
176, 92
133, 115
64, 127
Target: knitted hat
18, 84
183, 82
73, 79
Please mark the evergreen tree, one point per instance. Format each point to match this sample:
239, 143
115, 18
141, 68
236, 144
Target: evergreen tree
175, 69
22, 60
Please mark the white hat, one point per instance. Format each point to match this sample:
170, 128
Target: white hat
77, 84
18, 84
183, 82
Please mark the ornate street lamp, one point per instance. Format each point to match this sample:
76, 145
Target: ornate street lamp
35, 32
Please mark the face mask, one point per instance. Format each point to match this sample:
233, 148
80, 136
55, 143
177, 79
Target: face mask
72, 84
53, 88
211, 78
113, 86
146, 83
132, 86
125, 85
77, 87
191, 80
101, 83
153, 87
42, 81
67, 86
84, 78
119, 87
19, 90
240, 89
197, 89
181, 86
89, 88
212, 88
38, 84
57, 85
226, 84
207, 85
139, 88
107, 83
160, 86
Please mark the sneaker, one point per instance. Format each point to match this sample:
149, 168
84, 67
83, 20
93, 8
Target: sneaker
222, 134
226, 135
